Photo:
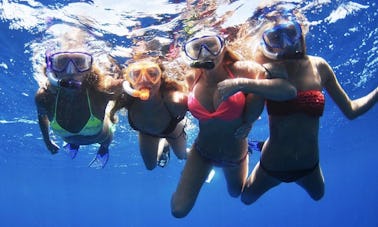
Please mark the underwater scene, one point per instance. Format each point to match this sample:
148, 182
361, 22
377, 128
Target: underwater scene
41, 189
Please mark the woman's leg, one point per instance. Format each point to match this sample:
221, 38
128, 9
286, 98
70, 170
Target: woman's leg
177, 141
313, 184
236, 177
148, 146
192, 178
257, 184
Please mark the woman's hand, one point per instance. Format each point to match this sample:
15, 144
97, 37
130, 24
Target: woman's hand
228, 87
243, 131
52, 147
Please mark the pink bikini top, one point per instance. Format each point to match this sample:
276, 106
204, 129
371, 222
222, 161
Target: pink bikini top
228, 110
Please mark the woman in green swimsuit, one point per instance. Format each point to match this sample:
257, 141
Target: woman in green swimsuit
74, 102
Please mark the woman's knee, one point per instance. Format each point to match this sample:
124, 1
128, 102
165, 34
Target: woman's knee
150, 165
180, 208
235, 190
317, 195
248, 197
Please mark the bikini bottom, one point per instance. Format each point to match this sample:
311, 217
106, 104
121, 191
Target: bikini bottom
218, 162
288, 176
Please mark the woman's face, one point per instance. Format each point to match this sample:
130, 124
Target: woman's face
283, 39
204, 51
144, 75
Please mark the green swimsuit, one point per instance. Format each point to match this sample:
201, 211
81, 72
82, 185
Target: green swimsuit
91, 128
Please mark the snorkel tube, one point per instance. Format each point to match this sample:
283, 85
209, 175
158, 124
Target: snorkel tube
66, 83
142, 94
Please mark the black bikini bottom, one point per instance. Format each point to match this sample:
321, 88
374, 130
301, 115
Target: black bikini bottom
218, 162
288, 176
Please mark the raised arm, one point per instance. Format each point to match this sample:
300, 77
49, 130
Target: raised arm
268, 81
350, 108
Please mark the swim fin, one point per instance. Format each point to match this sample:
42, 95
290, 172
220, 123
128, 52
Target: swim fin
101, 158
71, 149
254, 145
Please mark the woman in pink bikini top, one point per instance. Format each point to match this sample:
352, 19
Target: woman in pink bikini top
228, 110
223, 123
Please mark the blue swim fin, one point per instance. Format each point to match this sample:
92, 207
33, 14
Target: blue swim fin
254, 145
101, 158
71, 149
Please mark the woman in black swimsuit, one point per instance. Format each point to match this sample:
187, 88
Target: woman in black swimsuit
156, 109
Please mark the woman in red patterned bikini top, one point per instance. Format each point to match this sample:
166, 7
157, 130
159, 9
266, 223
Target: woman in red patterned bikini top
291, 153
223, 123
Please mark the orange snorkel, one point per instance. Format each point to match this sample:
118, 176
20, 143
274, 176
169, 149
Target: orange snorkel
143, 94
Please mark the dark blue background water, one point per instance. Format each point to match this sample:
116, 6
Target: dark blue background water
38, 189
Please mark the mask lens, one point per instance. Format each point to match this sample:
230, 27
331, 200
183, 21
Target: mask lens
136, 71
154, 73
81, 61
134, 75
212, 44
59, 62
282, 35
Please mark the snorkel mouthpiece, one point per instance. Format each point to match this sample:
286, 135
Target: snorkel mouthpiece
66, 83
203, 65
143, 94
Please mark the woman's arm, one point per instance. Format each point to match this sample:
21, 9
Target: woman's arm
253, 78
177, 102
350, 108
43, 121
253, 109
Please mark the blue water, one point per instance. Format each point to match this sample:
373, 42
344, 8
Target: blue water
38, 189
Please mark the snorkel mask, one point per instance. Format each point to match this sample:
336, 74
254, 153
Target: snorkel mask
59, 62
283, 41
135, 74
203, 50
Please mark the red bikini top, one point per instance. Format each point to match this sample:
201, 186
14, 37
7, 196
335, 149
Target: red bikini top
309, 102
228, 110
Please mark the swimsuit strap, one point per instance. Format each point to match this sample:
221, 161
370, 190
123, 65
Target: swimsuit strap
229, 71
56, 104
196, 78
89, 104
